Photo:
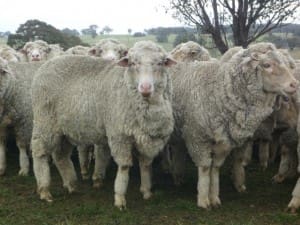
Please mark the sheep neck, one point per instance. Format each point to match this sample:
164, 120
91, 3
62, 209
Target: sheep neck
244, 102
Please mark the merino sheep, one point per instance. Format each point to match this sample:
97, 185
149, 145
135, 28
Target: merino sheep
218, 108
9, 54
36, 51
190, 51
229, 53
129, 107
16, 112
77, 50
109, 49
55, 50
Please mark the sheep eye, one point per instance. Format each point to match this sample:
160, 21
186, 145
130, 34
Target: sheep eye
160, 64
266, 65
193, 53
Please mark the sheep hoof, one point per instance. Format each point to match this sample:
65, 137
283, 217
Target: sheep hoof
120, 202
203, 203
147, 195
241, 188
215, 202
97, 183
23, 172
71, 188
294, 204
45, 195
278, 178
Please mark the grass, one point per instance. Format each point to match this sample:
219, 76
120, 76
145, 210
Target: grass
264, 203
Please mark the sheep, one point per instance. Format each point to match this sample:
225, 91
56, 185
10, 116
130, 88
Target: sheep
36, 51
77, 50
229, 53
217, 107
109, 49
190, 51
9, 54
129, 107
16, 112
55, 50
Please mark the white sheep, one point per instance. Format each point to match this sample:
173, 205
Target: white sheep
36, 51
128, 107
190, 51
16, 110
77, 50
109, 49
218, 107
9, 54
229, 53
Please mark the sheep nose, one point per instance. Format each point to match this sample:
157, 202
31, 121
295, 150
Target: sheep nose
145, 89
294, 84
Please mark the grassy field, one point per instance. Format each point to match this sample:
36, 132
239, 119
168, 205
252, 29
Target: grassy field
263, 204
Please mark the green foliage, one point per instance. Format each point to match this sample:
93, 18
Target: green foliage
68, 31
139, 34
162, 37
37, 30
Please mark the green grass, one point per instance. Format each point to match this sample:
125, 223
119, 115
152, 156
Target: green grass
264, 203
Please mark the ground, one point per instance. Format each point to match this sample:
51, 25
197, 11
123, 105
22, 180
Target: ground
264, 203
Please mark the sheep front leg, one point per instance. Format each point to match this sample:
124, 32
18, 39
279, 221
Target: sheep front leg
241, 158
145, 171
220, 153
62, 160
283, 166
102, 157
41, 169
2, 157
294, 204
121, 184
23, 159
203, 187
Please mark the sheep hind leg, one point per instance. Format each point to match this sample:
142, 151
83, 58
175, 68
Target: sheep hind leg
145, 171
83, 155
23, 159
102, 158
283, 165
264, 154
62, 160
41, 168
2, 157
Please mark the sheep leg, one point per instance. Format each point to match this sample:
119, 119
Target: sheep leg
83, 155
294, 204
2, 157
62, 160
145, 171
264, 153
41, 168
274, 145
23, 159
102, 157
178, 163
221, 151
241, 158
283, 166
203, 187
121, 183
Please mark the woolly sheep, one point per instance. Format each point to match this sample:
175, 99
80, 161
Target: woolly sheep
55, 50
190, 51
65, 110
36, 51
16, 112
218, 108
77, 50
9, 54
109, 49
229, 53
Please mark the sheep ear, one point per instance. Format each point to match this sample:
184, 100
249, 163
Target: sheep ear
92, 51
124, 62
23, 51
170, 62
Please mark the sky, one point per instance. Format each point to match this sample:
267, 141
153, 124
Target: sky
120, 15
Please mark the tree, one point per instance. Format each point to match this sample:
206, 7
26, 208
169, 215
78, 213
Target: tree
129, 31
184, 37
70, 32
107, 30
247, 20
92, 30
34, 29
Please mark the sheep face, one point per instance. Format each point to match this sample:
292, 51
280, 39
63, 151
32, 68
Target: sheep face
146, 71
275, 74
35, 52
109, 51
